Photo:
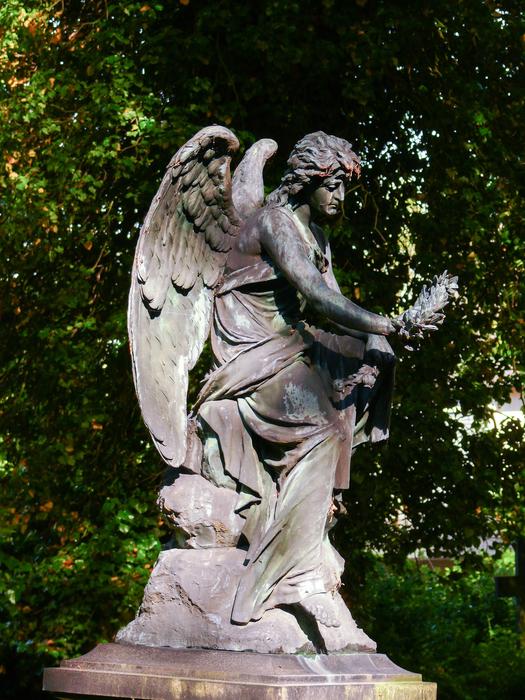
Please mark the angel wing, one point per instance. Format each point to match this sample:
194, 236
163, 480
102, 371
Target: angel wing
181, 253
248, 184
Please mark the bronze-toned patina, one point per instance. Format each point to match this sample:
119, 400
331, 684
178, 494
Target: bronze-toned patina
255, 469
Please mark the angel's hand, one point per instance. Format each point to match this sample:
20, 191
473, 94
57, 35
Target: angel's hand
408, 330
398, 323
402, 326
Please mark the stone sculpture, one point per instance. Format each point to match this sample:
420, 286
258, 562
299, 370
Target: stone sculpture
256, 469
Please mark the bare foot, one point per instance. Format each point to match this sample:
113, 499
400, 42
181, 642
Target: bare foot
322, 607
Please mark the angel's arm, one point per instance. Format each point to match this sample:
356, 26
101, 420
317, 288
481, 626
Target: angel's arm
331, 281
281, 240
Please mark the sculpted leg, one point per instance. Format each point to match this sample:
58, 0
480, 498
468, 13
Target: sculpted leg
285, 566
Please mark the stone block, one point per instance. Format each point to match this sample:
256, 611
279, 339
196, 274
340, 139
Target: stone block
122, 671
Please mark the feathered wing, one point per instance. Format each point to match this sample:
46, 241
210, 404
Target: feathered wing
180, 256
248, 184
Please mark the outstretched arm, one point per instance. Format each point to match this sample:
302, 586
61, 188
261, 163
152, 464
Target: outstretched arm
332, 283
282, 240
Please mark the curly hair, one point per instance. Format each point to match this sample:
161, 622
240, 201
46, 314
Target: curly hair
315, 157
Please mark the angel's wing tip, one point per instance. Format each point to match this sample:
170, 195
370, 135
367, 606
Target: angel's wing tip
268, 145
218, 131
169, 446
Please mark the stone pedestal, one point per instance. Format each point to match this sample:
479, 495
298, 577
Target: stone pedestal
148, 673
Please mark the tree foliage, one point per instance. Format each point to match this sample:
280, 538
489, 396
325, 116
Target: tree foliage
95, 96
464, 638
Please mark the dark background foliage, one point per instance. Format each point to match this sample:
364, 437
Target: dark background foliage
95, 96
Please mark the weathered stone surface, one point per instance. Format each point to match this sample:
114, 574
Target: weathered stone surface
203, 513
188, 603
117, 670
279, 415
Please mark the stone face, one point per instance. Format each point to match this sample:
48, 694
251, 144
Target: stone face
122, 671
188, 603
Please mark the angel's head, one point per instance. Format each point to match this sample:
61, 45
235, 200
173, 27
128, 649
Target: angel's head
319, 169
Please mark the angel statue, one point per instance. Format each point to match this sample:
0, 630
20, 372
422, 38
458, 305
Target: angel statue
256, 469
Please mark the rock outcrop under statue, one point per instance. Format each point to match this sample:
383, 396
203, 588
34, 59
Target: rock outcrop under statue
188, 600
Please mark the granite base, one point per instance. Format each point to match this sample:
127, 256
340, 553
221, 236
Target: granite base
149, 673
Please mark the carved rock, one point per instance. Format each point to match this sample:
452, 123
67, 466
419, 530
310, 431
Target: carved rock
188, 601
203, 513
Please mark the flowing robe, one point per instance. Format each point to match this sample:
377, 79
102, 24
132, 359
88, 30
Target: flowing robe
283, 426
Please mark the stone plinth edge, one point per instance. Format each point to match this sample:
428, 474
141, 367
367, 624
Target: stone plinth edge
149, 673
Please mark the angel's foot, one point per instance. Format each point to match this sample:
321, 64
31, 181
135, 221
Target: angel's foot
323, 608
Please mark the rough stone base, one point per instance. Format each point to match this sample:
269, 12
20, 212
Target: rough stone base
145, 673
188, 601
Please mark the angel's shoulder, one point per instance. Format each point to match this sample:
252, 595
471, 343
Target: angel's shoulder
265, 228
276, 220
